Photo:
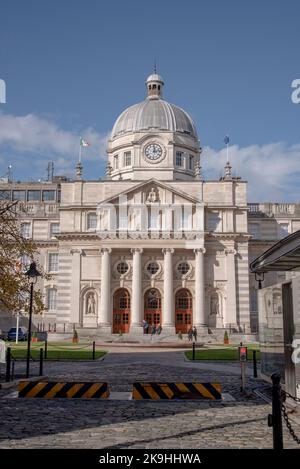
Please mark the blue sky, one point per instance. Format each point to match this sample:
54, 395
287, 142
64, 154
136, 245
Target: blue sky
71, 67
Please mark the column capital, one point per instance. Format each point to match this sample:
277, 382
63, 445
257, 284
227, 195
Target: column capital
138, 250
170, 250
230, 251
103, 250
200, 250
76, 251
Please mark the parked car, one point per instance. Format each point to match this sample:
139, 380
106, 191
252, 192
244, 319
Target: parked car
23, 333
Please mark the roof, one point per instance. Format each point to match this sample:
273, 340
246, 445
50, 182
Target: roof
154, 114
282, 256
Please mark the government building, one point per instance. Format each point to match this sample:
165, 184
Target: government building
152, 241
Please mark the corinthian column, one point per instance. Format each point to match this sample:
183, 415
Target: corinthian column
105, 307
136, 303
168, 309
230, 314
199, 305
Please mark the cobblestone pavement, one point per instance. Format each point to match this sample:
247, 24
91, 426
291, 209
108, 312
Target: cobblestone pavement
38, 423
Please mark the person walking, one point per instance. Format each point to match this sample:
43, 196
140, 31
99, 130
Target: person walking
195, 333
153, 329
158, 329
190, 334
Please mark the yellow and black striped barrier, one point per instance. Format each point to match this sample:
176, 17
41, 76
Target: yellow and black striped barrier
69, 390
158, 391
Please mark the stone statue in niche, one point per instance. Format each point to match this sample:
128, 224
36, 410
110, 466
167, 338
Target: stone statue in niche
91, 305
152, 197
214, 305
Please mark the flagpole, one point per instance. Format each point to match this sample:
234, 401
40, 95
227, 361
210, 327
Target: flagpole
79, 160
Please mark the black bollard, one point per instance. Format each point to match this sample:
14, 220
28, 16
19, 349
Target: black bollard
254, 364
194, 346
275, 419
41, 362
46, 349
8, 362
94, 350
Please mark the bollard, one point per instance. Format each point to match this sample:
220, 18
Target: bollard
275, 419
41, 362
8, 361
194, 346
46, 349
254, 364
94, 349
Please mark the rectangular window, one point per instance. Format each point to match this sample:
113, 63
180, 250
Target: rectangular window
33, 196
116, 161
92, 221
19, 195
179, 158
254, 230
53, 262
283, 230
191, 162
54, 229
52, 298
213, 222
127, 158
4, 195
25, 230
49, 196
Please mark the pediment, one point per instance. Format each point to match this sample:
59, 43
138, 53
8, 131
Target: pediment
153, 191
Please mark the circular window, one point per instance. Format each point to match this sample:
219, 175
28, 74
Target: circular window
122, 268
183, 268
153, 268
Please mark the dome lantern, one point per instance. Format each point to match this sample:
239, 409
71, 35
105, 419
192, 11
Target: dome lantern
154, 84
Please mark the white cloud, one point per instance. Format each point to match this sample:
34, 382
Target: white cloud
272, 170
31, 136
28, 142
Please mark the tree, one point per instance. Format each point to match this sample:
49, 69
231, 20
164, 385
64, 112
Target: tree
16, 253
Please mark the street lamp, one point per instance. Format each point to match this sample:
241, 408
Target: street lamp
259, 277
32, 274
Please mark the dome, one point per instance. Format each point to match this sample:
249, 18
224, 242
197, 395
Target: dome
154, 114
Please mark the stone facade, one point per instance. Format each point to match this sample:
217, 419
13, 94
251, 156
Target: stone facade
153, 241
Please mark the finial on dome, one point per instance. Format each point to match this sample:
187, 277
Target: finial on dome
155, 66
154, 85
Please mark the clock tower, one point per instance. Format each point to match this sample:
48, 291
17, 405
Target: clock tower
154, 139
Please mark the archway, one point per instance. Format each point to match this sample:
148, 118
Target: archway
183, 310
121, 311
152, 307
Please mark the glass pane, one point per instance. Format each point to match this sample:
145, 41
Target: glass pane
34, 196
19, 195
49, 195
5, 195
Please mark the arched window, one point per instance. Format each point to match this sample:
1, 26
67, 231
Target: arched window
183, 300
153, 299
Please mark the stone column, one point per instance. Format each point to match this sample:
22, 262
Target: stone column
199, 304
75, 286
136, 300
105, 306
231, 312
168, 319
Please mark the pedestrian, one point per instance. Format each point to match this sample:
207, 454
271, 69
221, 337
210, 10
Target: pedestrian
145, 326
190, 334
153, 329
195, 333
158, 329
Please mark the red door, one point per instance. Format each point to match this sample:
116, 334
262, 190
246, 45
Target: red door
121, 311
183, 311
152, 308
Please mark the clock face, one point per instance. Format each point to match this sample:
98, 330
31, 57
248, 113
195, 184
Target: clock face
153, 151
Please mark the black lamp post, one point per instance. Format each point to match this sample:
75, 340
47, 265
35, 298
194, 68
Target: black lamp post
32, 274
259, 277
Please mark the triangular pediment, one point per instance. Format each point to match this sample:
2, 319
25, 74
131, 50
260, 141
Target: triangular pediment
154, 188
